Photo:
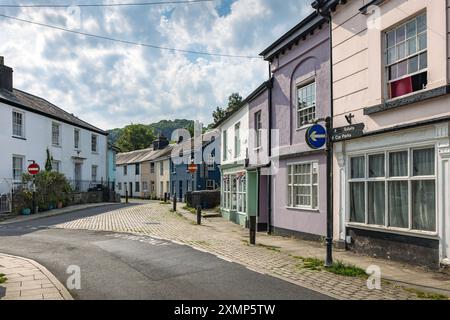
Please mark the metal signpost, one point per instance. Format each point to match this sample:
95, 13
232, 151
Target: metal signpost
347, 132
33, 169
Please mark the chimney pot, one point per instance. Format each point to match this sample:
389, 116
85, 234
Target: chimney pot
6, 76
2, 60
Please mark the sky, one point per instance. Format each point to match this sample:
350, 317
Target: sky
111, 84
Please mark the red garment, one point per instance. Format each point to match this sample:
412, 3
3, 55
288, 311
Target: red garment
401, 87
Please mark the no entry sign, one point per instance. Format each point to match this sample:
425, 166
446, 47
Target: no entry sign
192, 168
33, 169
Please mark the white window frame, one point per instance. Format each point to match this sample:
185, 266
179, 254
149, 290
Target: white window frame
14, 168
56, 166
387, 179
144, 186
57, 142
22, 125
241, 193
125, 170
94, 137
291, 186
210, 162
406, 57
258, 129
210, 184
225, 145
94, 173
237, 139
226, 192
76, 138
312, 114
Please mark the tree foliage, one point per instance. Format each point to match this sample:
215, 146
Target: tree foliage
135, 137
234, 102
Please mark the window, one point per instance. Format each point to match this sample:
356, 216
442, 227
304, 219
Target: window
303, 185
241, 182
94, 143
161, 168
398, 189
119, 186
210, 162
18, 124
226, 192
56, 166
258, 128
137, 169
152, 167
144, 186
306, 104
406, 57
76, 138
237, 140
94, 173
17, 168
188, 185
56, 134
225, 145
137, 187
125, 170
210, 185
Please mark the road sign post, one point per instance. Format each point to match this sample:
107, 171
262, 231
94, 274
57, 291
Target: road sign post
33, 169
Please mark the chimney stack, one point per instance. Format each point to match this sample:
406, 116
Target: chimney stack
6, 76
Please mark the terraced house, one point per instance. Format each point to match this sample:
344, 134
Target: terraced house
391, 72
29, 125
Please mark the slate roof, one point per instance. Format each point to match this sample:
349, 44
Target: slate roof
32, 103
142, 155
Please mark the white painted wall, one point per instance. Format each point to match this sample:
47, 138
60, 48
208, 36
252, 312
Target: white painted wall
229, 125
131, 176
38, 137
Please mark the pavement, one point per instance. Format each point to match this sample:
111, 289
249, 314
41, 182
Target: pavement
84, 238
28, 280
120, 265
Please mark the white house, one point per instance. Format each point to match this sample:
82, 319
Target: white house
128, 172
234, 132
29, 125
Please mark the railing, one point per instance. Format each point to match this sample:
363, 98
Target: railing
85, 186
5, 203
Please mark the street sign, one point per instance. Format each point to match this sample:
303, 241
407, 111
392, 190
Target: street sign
316, 136
192, 168
33, 169
347, 132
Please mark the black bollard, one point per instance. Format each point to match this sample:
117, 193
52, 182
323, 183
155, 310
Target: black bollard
174, 203
126, 196
199, 215
252, 229
165, 196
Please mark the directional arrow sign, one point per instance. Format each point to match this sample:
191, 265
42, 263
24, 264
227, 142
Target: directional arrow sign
316, 136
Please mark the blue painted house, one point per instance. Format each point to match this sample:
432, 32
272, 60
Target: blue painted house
203, 153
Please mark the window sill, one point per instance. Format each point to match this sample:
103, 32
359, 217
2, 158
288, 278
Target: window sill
304, 126
405, 232
303, 209
414, 97
17, 137
56, 146
94, 152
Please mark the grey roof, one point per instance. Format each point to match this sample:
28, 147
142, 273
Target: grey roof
32, 103
142, 155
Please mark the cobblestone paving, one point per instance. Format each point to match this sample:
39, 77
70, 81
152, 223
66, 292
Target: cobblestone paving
229, 241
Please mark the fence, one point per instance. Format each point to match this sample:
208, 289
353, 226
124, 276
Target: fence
86, 186
5, 203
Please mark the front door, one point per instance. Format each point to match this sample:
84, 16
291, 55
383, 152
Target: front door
131, 189
77, 176
180, 194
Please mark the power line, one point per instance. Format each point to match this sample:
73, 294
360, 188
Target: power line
130, 42
102, 4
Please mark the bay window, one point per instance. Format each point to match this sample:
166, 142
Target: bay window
241, 192
394, 189
303, 185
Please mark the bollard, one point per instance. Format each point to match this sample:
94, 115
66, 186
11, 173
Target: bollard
174, 203
252, 229
199, 214
126, 196
165, 197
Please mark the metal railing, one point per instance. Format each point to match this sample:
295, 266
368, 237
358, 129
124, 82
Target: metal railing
5, 203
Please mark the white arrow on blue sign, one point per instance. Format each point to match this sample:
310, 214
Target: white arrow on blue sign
316, 136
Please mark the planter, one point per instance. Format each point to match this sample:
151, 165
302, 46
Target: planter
26, 211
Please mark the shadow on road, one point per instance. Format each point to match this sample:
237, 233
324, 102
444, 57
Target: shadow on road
25, 227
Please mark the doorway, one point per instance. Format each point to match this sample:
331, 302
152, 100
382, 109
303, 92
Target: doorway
77, 175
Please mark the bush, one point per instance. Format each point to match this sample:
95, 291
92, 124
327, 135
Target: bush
51, 188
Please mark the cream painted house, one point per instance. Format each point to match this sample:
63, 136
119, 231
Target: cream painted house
391, 73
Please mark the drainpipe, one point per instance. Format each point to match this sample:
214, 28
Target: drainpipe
269, 179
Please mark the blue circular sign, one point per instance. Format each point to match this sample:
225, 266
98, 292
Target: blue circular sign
316, 136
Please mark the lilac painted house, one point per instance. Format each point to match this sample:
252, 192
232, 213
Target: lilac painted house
299, 93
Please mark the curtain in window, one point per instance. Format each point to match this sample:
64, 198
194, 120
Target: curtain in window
376, 166
398, 204
398, 164
357, 167
423, 205
423, 162
357, 207
376, 202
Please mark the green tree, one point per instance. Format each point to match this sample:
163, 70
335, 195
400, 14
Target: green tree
218, 114
234, 101
135, 137
48, 162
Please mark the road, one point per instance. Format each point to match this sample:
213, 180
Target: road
125, 266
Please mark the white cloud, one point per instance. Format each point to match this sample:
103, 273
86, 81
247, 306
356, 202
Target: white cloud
112, 84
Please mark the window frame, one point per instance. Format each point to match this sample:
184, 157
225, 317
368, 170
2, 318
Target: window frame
300, 86
56, 125
387, 178
94, 150
258, 129
237, 139
94, 166
225, 145
22, 157
76, 138
58, 164
292, 185
22, 114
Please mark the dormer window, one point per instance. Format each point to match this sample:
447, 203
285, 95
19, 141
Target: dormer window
406, 57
